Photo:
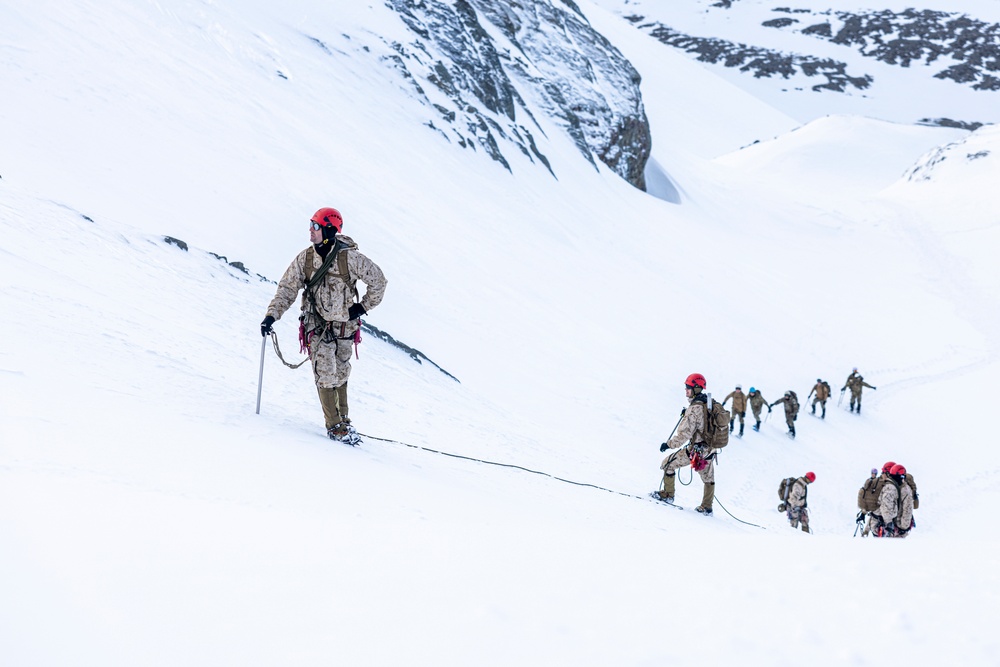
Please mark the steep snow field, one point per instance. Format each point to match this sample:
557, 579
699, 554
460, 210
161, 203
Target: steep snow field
148, 516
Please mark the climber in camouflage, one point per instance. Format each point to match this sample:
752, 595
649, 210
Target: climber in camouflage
691, 431
328, 271
856, 383
757, 403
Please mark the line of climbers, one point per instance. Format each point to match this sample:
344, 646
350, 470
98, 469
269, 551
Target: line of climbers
888, 500
790, 401
701, 432
327, 273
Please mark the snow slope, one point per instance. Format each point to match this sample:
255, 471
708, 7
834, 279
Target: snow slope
148, 516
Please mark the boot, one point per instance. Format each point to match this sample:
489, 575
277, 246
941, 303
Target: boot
852, 407
741, 429
731, 425
756, 426
859, 407
814, 408
342, 401
328, 399
706, 500
823, 416
791, 431
667, 493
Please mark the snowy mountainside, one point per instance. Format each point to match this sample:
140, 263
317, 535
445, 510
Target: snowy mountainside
148, 516
903, 62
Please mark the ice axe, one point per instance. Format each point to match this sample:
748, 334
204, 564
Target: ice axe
260, 377
664, 447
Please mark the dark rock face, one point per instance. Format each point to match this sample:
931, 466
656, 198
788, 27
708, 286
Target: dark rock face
547, 52
759, 61
918, 36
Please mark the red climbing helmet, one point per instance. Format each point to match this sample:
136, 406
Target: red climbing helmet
888, 466
811, 476
897, 469
695, 380
328, 216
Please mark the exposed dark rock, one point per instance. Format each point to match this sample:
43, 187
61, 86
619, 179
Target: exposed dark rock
573, 73
779, 23
416, 355
759, 61
918, 36
948, 122
177, 242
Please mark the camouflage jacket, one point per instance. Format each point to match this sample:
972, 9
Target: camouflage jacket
334, 295
797, 496
822, 391
757, 400
693, 424
739, 401
888, 500
855, 381
791, 405
905, 506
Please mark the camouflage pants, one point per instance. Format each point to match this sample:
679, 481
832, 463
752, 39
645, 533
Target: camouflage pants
875, 523
797, 515
821, 401
331, 354
678, 460
741, 414
855, 397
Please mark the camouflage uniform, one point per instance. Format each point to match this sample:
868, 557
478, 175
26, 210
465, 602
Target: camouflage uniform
791, 412
739, 407
822, 391
329, 324
888, 500
757, 402
796, 504
905, 519
691, 430
856, 383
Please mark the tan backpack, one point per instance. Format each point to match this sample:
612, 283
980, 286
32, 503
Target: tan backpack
868, 495
913, 487
717, 424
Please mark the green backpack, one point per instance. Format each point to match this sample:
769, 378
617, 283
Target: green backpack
794, 400
785, 488
717, 427
868, 495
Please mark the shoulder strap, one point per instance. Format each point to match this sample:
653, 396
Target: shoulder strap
310, 257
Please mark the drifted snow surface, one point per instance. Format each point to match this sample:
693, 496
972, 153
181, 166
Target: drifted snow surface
148, 516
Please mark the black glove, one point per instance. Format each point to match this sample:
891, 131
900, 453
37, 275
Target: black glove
664, 446
355, 311
874, 387
861, 517
265, 326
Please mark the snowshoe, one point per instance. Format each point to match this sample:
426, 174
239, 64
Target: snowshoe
707, 511
345, 433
